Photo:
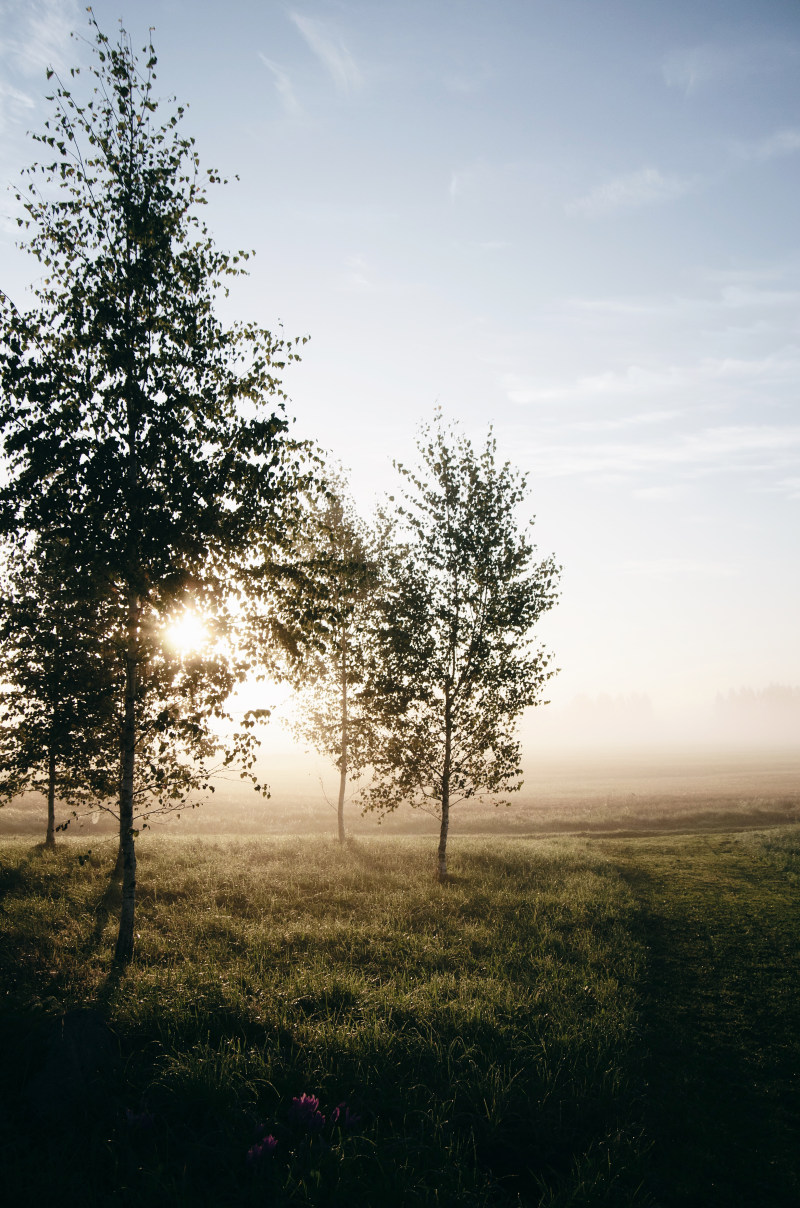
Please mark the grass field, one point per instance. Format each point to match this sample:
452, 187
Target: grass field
569, 1021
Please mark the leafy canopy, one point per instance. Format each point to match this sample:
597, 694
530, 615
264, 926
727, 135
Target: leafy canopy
141, 436
135, 423
57, 681
340, 575
455, 663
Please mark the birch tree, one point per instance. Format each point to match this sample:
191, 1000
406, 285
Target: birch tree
139, 431
455, 663
341, 574
58, 733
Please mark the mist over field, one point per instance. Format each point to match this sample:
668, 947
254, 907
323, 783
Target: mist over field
587, 789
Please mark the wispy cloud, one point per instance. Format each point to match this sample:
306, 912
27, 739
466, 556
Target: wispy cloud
638, 420
497, 184
358, 276
44, 35
331, 52
644, 382
774, 146
692, 68
474, 179
661, 494
788, 487
647, 186
733, 289
770, 450
680, 568
283, 85
13, 104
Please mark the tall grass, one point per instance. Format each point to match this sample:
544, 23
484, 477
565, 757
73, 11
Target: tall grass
497, 1037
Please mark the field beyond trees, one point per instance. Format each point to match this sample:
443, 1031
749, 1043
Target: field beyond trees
567, 1021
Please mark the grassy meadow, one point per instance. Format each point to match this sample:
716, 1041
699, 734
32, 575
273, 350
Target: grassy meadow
569, 1021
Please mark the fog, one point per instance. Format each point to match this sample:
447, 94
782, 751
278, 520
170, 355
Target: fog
594, 763
757, 718
744, 744
589, 790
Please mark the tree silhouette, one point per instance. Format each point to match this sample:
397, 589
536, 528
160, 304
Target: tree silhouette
141, 433
58, 733
341, 574
454, 665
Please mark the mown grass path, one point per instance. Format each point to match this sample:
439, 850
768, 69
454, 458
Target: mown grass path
720, 1008
567, 1022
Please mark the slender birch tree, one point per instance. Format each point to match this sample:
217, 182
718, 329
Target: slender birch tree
341, 574
455, 663
141, 433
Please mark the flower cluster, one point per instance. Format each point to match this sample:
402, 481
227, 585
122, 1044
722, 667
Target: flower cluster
305, 1113
347, 1120
263, 1149
304, 1134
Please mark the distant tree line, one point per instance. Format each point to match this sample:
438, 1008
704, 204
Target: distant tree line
766, 713
149, 469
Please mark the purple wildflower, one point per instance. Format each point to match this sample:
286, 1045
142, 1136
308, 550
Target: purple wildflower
305, 1113
346, 1119
263, 1149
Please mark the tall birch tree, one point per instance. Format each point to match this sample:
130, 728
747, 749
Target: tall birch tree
455, 663
139, 431
340, 573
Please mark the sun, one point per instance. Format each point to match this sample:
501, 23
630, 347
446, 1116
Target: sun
186, 632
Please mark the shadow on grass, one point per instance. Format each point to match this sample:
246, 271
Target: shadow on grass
16, 877
111, 900
721, 1099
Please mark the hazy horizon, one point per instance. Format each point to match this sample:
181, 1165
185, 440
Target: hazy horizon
744, 723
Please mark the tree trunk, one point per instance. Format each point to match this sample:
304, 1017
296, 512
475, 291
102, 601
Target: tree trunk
340, 808
50, 838
441, 855
127, 839
343, 752
124, 950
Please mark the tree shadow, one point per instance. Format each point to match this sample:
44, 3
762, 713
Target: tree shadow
14, 877
111, 900
720, 1097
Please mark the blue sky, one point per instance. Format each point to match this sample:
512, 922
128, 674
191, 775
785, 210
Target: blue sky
574, 219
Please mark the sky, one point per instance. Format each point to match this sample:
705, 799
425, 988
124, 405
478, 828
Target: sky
574, 220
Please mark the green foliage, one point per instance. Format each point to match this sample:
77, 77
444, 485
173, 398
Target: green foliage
57, 720
143, 437
140, 434
134, 421
454, 662
138, 429
340, 570
185, 736
60, 714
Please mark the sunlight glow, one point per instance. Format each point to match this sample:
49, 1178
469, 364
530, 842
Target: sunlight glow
186, 632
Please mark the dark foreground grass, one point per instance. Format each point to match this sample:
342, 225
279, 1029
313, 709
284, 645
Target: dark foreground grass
567, 1022
721, 1006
